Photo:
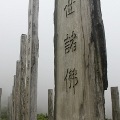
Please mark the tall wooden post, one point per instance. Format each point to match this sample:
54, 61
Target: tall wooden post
23, 75
80, 60
115, 103
14, 98
50, 104
13, 103
32, 60
17, 91
0, 101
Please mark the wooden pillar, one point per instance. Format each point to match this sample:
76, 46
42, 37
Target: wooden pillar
115, 103
80, 60
50, 104
14, 98
23, 75
32, 61
13, 103
17, 91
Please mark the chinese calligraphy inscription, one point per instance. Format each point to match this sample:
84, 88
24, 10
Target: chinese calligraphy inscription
69, 8
70, 43
71, 77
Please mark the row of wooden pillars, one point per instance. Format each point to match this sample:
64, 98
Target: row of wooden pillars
114, 100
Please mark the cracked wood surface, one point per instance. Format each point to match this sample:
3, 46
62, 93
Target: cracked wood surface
84, 100
115, 103
23, 51
32, 61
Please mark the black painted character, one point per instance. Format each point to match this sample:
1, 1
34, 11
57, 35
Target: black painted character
70, 43
69, 8
71, 77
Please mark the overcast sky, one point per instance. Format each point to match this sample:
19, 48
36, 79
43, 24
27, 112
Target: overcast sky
13, 23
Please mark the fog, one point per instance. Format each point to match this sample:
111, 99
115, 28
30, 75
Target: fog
14, 22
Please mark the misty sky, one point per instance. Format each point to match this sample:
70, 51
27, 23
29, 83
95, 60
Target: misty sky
13, 23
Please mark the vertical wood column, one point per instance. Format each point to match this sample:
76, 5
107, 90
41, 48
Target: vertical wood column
32, 60
115, 103
23, 55
50, 104
80, 60
17, 91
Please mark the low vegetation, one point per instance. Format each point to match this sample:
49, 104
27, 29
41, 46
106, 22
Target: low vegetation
4, 115
42, 117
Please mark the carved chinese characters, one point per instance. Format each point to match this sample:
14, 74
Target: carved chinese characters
69, 7
71, 79
80, 60
70, 46
70, 43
